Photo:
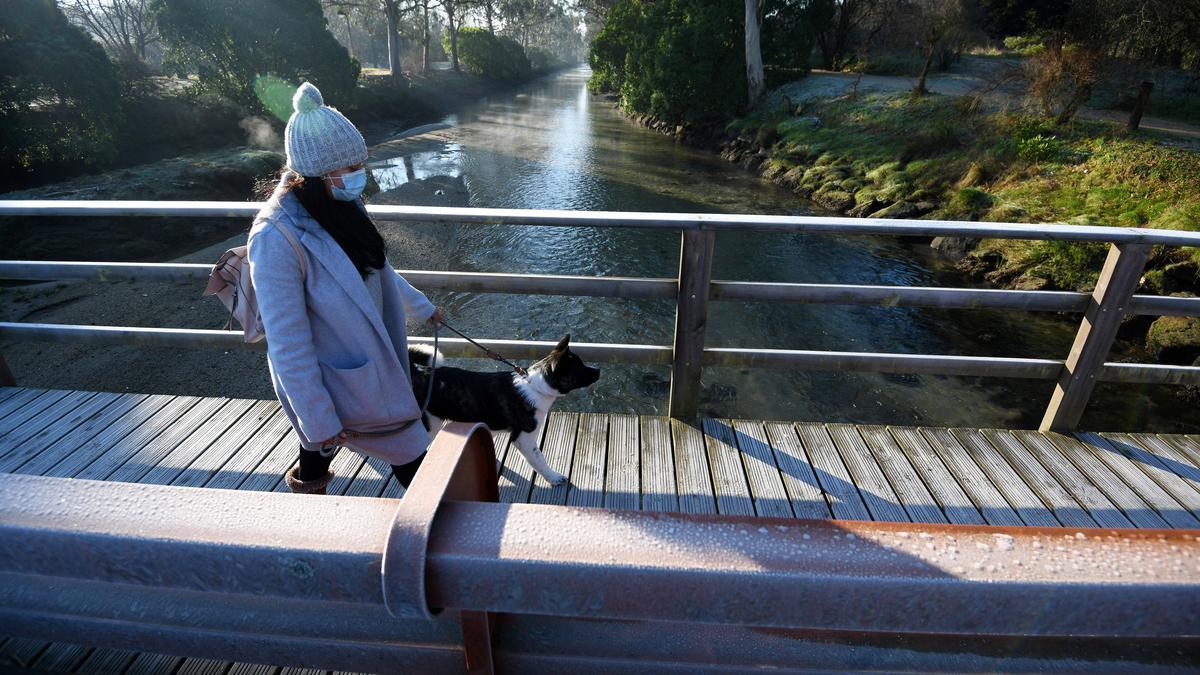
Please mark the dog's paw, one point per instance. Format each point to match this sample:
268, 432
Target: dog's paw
555, 478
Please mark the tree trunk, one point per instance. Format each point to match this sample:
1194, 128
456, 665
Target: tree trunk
392, 10
755, 83
425, 35
487, 6
453, 35
920, 89
841, 35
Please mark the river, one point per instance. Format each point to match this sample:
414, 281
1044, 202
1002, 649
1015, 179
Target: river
550, 145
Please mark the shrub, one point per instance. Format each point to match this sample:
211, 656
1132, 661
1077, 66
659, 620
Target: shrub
677, 60
541, 60
491, 56
235, 45
1039, 148
1024, 44
59, 93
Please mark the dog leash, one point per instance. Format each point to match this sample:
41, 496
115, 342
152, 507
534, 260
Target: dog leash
518, 369
346, 434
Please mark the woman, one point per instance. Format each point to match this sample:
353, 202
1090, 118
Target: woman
336, 326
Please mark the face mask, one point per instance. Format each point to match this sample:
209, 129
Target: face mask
355, 182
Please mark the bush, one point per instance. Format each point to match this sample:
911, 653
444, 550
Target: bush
541, 60
677, 60
59, 94
1027, 45
488, 55
235, 46
1039, 148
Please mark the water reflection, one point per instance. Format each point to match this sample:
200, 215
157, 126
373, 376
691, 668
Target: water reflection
552, 146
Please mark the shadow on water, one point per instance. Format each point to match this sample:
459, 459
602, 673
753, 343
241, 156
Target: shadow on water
552, 146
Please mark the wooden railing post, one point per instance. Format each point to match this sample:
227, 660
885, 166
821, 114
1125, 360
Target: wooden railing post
6, 376
691, 316
1114, 290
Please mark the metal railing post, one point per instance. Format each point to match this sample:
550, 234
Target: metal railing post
691, 316
1108, 305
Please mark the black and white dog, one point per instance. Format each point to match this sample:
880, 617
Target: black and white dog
519, 403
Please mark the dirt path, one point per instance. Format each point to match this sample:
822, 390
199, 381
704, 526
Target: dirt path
830, 83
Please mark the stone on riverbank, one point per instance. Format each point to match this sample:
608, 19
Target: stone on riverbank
1174, 339
955, 248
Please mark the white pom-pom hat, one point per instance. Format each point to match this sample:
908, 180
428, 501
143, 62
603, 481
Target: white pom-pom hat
319, 139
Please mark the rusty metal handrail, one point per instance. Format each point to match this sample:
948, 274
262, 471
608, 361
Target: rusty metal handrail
152, 550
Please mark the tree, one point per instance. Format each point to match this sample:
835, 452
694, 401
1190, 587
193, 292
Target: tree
755, 82
225, 44
939, 20
60, 95
126, 28
789, 30
848, 18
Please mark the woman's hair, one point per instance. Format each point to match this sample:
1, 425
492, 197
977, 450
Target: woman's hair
346, 222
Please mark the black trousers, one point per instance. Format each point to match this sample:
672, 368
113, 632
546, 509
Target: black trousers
315, 463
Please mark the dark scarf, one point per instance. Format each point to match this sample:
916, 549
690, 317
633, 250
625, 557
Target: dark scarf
346, 222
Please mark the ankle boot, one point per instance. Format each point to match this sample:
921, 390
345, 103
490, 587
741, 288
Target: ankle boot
316, 486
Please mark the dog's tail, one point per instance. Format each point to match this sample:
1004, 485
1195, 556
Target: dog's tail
424, 355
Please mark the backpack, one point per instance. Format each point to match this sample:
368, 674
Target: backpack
230, 281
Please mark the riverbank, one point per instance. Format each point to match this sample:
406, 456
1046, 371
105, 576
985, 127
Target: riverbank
887, 155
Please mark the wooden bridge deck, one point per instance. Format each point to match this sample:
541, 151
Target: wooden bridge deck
777, 469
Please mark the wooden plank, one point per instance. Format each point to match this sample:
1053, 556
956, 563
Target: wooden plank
371, 480
657, 465
104, 661
1177, 461
516, 477
904, 479
345, 466
154, 664
982, 493
224, 448
68, 459
1093, 341
1146, 489
762, 472
558, 448
269, 473
693, 483
21, 652
729, 477
125, 447
1169, 474
623, 473
38, 414
255, 451
252, 669
845, 500
194, 666
1189, 445
301, 671
1102, 509
211, 431
1134, 508
150, 454
587, 471
81, 423
1059, 499
938, 478
799, 480
61, 657
16, 398
1024, 500
876, 493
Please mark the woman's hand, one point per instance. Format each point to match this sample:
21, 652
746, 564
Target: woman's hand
436, 318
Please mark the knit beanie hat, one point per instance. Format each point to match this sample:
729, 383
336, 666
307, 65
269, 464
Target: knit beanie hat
319, 139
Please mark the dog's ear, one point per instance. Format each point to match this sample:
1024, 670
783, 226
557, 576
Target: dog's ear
563, 343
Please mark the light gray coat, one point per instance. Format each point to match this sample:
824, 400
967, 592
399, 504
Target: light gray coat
335, 362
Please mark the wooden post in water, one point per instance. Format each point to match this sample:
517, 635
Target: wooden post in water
1139, 107
1114, 291
691, 316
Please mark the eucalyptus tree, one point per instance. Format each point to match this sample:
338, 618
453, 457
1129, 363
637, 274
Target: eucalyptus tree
126, 28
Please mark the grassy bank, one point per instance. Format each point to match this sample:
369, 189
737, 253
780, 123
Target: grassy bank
887, 155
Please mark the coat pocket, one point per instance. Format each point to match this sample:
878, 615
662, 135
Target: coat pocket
357, 394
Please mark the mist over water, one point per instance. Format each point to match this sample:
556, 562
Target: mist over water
551, 145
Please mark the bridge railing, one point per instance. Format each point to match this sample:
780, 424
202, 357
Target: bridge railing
693, 289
